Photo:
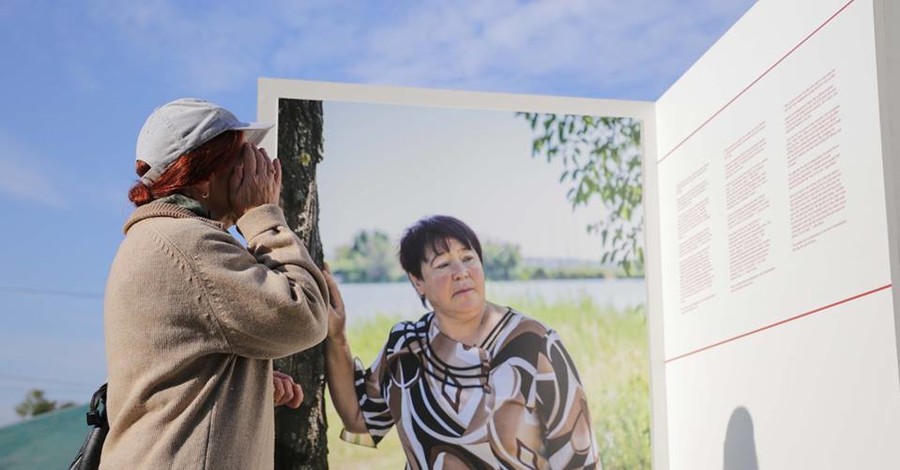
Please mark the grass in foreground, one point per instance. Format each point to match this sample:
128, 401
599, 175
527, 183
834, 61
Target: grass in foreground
609, 348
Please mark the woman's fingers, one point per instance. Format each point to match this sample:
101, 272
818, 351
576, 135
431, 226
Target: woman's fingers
250, 159
337, 316
331, 282
263, 166
277, 164
286, 391
257, 182
237, 178
298, 397
279, 390
268, 173
334, 292
280, 375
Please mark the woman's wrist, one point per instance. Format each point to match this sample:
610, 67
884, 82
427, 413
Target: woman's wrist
336, 339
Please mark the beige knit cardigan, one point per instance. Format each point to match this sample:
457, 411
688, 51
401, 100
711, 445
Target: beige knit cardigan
192, 322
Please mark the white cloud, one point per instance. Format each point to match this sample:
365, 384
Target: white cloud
24, 176
559, 44
501, 45
212, 50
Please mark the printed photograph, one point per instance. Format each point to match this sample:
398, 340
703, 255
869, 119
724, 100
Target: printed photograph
555, 203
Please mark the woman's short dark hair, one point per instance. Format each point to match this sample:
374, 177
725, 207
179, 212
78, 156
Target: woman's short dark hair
434, 231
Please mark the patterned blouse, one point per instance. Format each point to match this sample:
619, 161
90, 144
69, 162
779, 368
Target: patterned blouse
515, 401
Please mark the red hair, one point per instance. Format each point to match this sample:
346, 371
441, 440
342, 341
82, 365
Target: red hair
189, 169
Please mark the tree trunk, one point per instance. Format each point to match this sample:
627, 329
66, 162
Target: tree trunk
300, 440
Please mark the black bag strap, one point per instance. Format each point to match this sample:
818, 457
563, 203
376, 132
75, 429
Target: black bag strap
88, 456
96, 415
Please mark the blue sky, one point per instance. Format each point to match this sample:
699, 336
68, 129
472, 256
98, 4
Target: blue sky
79, 78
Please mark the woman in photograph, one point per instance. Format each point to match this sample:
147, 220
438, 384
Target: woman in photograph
192, 317
471, 384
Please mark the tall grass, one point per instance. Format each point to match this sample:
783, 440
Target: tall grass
610, 350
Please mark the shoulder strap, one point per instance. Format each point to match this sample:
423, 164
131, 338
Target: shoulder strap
96, 415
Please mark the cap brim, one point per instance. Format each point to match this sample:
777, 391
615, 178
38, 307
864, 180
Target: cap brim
254, 132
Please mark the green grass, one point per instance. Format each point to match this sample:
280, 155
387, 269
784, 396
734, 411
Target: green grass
609, 348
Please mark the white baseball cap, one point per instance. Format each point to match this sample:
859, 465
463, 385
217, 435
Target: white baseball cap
180, 126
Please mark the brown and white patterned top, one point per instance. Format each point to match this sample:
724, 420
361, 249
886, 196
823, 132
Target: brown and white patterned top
515, 401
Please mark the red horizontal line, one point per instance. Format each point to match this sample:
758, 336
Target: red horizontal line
782, 322
779, 61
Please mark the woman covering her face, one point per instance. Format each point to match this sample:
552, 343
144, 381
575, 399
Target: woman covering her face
471, 384
192, 317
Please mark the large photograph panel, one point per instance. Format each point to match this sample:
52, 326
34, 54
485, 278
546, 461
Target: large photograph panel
556, 202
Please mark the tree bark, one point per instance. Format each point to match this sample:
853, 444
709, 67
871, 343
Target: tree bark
300, 440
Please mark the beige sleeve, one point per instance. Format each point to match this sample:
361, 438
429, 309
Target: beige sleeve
269, 299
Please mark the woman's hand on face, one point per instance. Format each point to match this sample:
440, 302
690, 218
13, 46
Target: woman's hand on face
255, 181
337, 316
286, 391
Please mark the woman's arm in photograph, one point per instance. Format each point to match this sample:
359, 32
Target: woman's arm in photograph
339, 363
